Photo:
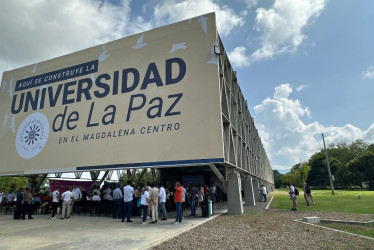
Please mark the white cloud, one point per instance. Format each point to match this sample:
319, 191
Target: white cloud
368, 73
43, 29
169, 12
251, 3
281, 26
300, 87
32, 31
287, 139
238, 57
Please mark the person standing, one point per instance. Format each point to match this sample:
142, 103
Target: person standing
27, 204
293, 196
10, 197
264, 192
144, 203
205, 192
19, 209
162, 201
184, 198
118, 198
192, 198
67, 196
308, 193
178, 202
200, 195
154, 203
55, 202
77, 198
261, 194
137, 201
213, 193
128, 193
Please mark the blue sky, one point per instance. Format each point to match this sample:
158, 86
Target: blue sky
304, 66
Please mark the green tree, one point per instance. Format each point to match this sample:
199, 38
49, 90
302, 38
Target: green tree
291, 177
298, 175
339, 156
318, 173
304, 173
277, 178
13, 183
362, 168
139, 178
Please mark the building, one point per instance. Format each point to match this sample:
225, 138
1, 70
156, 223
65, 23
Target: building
165, 99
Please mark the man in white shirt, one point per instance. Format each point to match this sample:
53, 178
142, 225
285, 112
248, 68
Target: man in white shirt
117, 208
55, 201
264, 192
128, 193
162, 201
77, 194
293, 197
67, 196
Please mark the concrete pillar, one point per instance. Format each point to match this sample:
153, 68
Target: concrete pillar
256, 188
249, 195
235, 203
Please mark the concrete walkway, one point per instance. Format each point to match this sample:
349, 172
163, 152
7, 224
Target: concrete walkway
92, 232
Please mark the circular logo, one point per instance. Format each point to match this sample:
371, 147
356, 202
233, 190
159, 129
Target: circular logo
32, 135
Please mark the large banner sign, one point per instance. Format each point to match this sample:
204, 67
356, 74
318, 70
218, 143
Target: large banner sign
151, 99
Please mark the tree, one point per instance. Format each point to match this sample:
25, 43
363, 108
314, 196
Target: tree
318, 173
291, 177
339, 155
13, 183
362, 168
304, 173
298, 175
139, 178
277, 178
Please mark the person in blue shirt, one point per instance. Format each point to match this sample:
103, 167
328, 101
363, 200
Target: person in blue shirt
19, 208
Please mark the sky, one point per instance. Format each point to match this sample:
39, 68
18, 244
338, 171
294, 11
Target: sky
305, 67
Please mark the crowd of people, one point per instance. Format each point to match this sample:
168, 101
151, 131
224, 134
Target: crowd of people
124, 202
23, 203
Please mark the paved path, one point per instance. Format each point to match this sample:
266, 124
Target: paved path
92, 232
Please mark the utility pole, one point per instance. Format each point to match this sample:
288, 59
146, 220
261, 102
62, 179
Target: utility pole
328, 167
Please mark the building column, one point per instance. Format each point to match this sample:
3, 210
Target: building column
256, 188
249, 195
234, 197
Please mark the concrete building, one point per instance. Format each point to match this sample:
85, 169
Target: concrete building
166, 100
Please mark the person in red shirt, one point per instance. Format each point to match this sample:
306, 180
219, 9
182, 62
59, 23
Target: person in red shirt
205, 190
178, 202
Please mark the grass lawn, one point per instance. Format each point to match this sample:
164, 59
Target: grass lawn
344, 201
361, 230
